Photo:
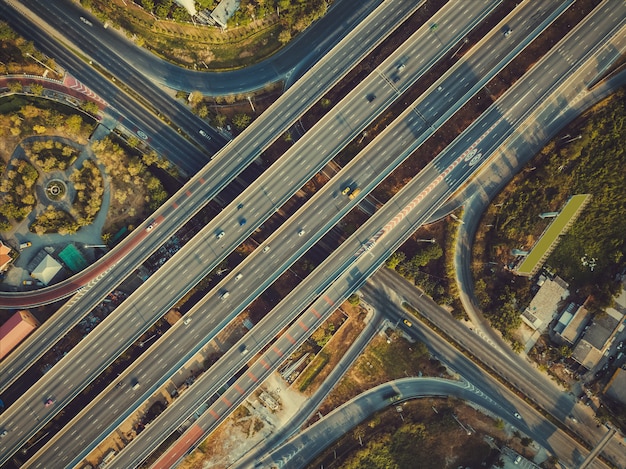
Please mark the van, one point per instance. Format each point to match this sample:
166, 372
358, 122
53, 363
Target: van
25, 245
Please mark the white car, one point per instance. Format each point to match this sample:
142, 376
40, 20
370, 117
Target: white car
301, 232
266, 249
517, 416
186, 321
204, 134
142, 135
220, 235
3, 433
239, 276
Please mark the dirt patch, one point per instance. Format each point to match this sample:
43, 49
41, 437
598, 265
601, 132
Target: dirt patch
246, 427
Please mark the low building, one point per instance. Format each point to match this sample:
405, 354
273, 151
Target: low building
571, 324
224, 11
5, 256
15, 330
597, 339
616, 387
545, 304
46, 270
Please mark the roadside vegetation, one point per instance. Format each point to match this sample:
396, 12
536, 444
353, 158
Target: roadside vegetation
427, 436
16, 54
588, 157
258, 29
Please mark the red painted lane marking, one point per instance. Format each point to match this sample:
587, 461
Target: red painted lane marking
264, 363
278, 352
303, 326
290, 339
175, 205
329, 301
226, 401
252, 377
201, 180
239, 389
317, 315
188, 192
214, 414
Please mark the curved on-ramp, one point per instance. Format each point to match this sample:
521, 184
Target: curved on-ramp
301, 449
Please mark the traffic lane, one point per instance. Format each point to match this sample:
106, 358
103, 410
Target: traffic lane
298, 451
385, 289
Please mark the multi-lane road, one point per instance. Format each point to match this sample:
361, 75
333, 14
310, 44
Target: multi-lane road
546, 82
206, 184
434, 188
200, 252
229, 162
466, 162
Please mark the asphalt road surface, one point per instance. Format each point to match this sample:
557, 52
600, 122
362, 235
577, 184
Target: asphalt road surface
246, 149
117, 265
116, 53
513, 95
479, 138
147, 299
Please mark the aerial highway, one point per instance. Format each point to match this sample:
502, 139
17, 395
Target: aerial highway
120, 263
513, 96
233, 219
468, 162
353, 274
302, 448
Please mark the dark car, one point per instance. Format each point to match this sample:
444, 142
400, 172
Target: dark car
242, 222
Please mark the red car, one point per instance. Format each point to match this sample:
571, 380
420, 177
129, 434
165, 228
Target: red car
49, 402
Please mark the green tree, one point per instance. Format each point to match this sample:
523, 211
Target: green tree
354, 299
148, 5
284, 36
36, 89
74, 123
202, 111
15, 87
220, 120
241, 121
395, 259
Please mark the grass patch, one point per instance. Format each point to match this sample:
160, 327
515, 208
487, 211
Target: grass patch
314, 369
